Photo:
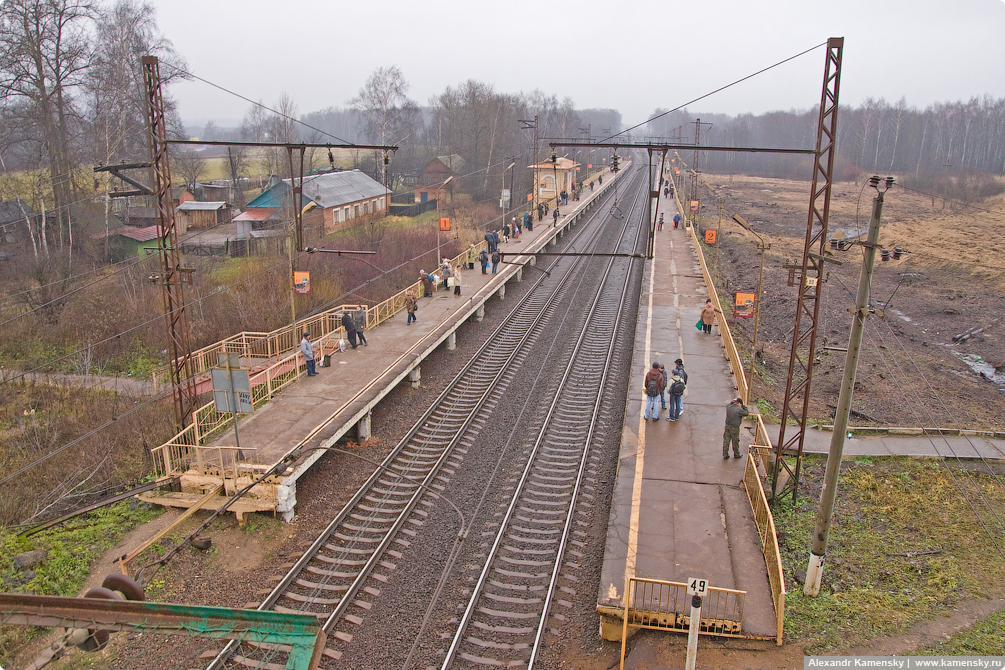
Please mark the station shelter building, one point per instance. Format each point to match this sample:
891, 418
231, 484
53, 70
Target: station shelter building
551, 178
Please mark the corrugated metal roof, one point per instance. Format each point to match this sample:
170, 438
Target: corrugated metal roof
341, 188
332, 189
193, 206
257, 214
141, 234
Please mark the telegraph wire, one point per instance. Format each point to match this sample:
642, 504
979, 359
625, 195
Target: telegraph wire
721, 88
921, 402
257, 104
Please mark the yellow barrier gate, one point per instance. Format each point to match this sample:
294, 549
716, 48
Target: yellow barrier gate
663, 605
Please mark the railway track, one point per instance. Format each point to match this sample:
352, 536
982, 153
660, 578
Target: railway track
344, 570
506, 618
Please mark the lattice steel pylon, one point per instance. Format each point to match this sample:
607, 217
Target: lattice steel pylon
804, 334
173, 275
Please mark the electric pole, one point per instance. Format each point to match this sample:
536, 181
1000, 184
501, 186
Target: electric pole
815, 569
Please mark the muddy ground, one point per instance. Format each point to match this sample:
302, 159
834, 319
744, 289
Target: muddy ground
951, 278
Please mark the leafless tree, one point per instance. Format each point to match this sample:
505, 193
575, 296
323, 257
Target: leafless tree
389, 116
44, 51
188, 164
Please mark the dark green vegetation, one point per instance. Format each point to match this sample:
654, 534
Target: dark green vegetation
70, 549
904, 547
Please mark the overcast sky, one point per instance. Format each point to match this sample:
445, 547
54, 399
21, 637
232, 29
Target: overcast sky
632, 55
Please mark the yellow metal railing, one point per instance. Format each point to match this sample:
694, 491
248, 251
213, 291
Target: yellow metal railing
663, 605
185, 450
761, 452
769, 537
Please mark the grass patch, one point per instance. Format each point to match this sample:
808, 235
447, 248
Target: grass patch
904, 546
985, 638
71, 549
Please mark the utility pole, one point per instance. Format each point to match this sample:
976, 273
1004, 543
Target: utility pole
815, 569
527, 124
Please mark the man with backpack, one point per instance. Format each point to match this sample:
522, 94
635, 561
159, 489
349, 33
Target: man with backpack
676, 392
653, 385
679, 371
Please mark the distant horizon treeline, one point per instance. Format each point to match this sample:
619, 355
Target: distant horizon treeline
872, 138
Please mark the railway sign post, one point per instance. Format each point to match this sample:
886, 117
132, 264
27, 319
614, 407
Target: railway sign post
232, 390
696, 588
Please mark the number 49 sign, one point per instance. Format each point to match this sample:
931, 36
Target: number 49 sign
697, 587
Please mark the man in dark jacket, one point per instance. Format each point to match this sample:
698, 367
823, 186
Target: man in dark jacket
352, 331
483, 258
734, 417
490, 240
679, 371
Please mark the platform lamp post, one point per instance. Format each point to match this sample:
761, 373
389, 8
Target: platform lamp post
757, 301
439, 220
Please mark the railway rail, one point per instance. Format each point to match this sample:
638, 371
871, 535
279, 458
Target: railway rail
506, 618
339, 577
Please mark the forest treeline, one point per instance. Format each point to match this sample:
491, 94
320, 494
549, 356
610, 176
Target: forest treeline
875, 137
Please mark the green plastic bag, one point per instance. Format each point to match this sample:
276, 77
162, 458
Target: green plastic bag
699, 325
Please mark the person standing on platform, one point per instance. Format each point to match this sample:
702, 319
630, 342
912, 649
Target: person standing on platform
666, 191
708, 316
676, 392
600, 179
528, 221
653, 384
457, 283
554, 218
350, 328
591, 187
472, 255
679, 371
676, 221
410, 304
490, 240
659, 224
495, 261
663, 373
446, 271
483, 258
734, 418
308, 351
540, 211
506, 232
427, 284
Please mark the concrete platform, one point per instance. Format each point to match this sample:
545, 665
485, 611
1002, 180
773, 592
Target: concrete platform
320, 410
679, 510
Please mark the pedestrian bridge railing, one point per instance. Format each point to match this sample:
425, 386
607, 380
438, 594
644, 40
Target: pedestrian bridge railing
184, 452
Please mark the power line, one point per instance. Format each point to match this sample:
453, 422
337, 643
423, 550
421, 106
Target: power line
721, 88
258, 104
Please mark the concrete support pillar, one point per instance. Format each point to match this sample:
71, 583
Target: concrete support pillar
363, 427
533, 261
414, 377
519, 274
502, 292
480, 313
452, 341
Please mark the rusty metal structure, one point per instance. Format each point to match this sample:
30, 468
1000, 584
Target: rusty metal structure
804, 334
173, 275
